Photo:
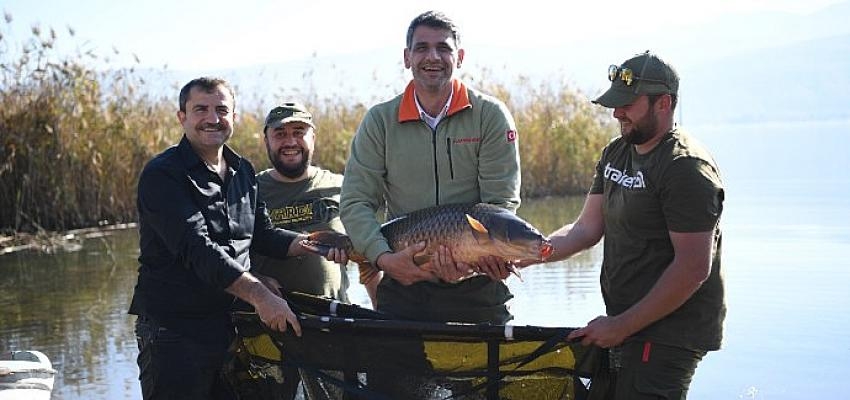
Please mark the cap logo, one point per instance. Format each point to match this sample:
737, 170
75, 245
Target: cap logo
510, 135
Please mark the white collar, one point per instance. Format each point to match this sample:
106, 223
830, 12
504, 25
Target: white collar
433, 121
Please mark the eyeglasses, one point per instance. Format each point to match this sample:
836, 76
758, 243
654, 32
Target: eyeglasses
628, 76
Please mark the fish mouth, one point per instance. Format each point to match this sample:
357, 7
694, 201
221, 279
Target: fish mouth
546, 250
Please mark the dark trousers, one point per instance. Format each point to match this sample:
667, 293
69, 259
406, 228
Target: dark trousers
474, 300
643, 370
174, 366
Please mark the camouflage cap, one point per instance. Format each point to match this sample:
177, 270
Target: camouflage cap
643, 74
288, 112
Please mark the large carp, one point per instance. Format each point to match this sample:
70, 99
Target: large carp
469, 230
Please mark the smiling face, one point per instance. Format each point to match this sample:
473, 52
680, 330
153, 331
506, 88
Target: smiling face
290, 147
638, 123
208, 119
432, 57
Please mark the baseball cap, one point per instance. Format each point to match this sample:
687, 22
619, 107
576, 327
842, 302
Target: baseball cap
288, 112
643, 74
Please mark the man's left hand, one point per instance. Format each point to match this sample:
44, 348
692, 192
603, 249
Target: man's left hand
602, 331
443, 265
495, 267
338, 256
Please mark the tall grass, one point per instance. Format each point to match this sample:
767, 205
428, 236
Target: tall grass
71, 142
73, 137
560, 134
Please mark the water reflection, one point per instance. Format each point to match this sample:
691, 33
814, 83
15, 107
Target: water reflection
72, 306
562, 293
550, 213
785, 259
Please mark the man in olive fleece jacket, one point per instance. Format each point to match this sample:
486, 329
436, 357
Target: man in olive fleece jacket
439, 142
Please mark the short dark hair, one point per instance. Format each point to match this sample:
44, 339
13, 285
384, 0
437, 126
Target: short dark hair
673, 100
207, 84
433, 19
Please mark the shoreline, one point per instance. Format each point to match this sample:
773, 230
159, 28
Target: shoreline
51, 242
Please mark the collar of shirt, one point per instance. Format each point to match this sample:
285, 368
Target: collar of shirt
433, 121
192, 160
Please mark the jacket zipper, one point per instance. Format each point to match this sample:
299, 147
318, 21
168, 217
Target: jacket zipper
436, 170
449, 152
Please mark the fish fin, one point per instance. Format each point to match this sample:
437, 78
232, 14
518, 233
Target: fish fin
420, 259
428, 266
476, 224
479, 231
514, 270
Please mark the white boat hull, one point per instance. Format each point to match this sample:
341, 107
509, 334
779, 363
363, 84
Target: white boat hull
26, 375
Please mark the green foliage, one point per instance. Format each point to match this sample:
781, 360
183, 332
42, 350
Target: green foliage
73, 138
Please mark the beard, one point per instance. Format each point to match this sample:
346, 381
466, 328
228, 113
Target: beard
292, 171
642, 129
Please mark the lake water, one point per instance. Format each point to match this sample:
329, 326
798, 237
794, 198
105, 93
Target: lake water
787, 235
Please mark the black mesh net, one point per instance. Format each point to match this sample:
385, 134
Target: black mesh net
355, 353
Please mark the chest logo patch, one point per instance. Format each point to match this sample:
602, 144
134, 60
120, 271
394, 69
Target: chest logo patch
291, 215
466, 140
623, 179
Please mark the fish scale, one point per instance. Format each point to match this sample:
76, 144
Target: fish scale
438, 224
469, 230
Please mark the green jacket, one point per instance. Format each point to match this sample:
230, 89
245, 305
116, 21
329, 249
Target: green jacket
398, 162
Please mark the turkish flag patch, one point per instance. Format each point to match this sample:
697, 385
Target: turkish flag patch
510, 135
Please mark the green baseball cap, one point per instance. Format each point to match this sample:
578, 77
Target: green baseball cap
643, 74
288, 112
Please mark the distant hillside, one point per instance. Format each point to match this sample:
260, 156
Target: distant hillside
767, 66
804, 81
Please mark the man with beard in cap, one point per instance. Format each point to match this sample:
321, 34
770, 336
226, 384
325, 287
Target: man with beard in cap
656, 198
304, 198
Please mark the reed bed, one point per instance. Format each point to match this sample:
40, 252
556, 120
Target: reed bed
74, 137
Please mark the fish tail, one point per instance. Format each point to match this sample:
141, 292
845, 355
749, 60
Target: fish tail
367, 272
370, 277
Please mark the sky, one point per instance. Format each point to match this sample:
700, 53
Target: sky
351, 51
217, 34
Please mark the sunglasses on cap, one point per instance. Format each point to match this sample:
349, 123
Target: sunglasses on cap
628, 76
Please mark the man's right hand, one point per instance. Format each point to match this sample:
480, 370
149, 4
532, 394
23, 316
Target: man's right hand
400, 265
272, 310
275, 312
